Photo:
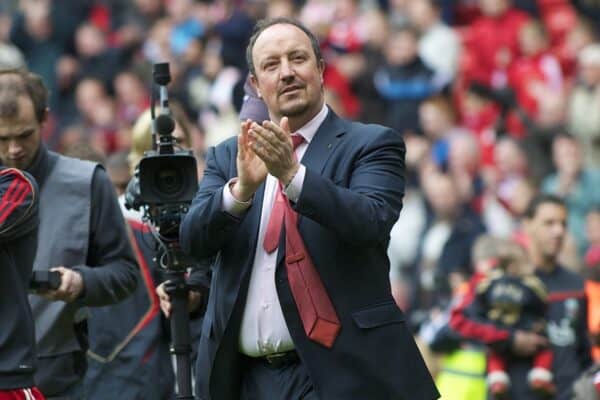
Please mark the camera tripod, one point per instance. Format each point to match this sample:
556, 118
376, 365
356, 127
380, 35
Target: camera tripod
177, 289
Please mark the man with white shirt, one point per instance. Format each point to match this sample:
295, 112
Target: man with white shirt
298, 211
439, 45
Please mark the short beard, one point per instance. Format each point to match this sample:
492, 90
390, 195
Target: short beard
295, 110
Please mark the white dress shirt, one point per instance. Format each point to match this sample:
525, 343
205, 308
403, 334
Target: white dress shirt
263, 330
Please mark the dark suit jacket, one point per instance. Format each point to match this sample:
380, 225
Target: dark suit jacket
351, 197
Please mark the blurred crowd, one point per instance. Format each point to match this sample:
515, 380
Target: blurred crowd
497, 100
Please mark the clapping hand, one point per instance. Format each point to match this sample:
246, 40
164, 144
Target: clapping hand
251, 169
272, 143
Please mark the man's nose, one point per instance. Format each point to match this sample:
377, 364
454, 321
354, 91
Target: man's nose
287, 70
14, 147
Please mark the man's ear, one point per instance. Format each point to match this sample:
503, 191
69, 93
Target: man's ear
254, 83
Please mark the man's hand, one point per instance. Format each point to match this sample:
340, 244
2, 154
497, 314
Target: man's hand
251, 169
194, 299
528, 343
71, 286
273, 144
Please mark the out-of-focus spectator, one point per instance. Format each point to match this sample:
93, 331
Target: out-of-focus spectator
439, 45
537, 72
132, 96
157, 46
96, 58
578, 185
510, 177
185, 28
438, 121
403, 249
450, 231
234, 32
492, 41
218, 117
97, 115
584, 120
404, 81
359, 67
582, 35
592, 275
44, 33
347, 32
464, 162
145, 13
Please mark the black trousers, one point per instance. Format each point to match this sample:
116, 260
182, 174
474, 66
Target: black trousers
262, 381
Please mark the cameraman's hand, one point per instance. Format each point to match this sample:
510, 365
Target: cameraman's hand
71, 286
528, 343
194, 299
251, 169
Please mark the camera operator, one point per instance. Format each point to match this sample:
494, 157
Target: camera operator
18, 236
139, 345
81, 234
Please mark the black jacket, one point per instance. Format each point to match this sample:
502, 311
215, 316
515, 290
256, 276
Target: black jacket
18, 242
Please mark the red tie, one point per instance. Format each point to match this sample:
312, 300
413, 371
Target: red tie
319, 318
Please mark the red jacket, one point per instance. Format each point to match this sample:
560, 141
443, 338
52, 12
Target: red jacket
524, 72
485, 39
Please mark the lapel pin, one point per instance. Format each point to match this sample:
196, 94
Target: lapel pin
329, 146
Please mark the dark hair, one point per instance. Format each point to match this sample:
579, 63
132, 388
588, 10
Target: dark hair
263, 24
540, 199
20, 82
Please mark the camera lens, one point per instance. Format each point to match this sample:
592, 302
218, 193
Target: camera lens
169, 181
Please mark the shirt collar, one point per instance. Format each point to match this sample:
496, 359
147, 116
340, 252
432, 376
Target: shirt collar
309, 130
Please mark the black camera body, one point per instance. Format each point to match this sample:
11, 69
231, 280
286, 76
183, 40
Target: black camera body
167, 178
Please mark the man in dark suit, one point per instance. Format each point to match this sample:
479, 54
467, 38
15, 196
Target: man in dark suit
300, 304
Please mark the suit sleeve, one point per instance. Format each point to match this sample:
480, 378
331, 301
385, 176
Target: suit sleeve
206, 228
111, 273
362, 213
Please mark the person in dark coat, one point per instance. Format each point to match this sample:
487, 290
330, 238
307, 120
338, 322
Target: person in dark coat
266, 334
81, 235
19, 197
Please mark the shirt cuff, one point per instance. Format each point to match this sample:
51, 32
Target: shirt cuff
230, 204
293, 190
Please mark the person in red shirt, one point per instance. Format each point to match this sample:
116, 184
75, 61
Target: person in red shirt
492, 40
536, 74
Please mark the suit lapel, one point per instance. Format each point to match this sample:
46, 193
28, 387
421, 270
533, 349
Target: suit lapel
324, 143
